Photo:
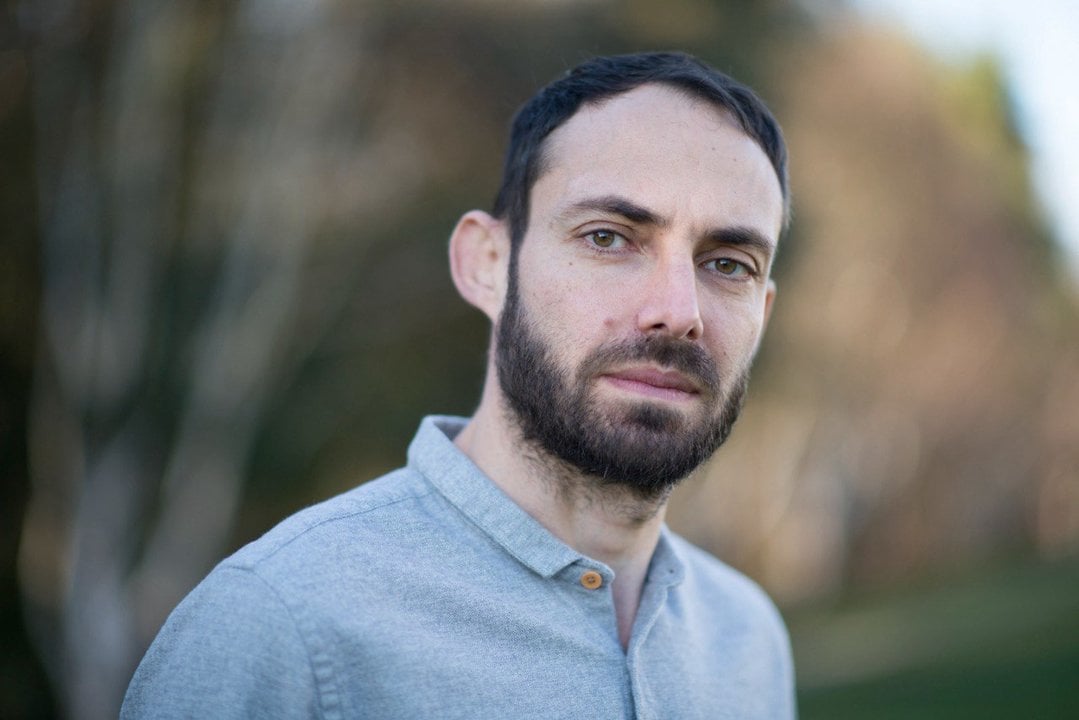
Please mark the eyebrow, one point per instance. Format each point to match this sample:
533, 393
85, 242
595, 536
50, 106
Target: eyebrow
740, 236
735, 236
617, 205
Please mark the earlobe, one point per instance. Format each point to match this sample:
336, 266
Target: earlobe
479, 256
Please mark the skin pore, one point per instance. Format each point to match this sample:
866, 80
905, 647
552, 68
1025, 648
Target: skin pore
643, 280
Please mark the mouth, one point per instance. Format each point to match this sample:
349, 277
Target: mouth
654, 383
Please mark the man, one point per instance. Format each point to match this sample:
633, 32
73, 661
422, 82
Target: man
519, 567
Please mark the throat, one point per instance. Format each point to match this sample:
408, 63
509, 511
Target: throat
576, 492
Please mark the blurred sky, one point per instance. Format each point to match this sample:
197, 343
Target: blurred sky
1037, 43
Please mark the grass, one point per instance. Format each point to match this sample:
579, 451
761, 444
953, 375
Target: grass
1000, 644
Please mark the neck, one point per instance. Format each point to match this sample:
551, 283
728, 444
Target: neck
609, 523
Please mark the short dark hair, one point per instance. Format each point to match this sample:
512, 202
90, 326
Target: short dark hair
604, 77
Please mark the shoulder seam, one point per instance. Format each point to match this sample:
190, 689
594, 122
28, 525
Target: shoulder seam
325, 521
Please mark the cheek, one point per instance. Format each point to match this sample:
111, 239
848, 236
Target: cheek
577, 301
576, 326
733, 331
587, 304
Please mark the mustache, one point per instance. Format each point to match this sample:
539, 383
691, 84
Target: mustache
685, 357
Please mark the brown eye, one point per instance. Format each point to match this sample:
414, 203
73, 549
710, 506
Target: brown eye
729, 267
605, 239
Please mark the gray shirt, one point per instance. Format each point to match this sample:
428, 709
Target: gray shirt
429, 594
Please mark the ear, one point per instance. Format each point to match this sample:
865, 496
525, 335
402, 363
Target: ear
479, 261
769, 298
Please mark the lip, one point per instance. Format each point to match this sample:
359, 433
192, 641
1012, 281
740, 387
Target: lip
664, 384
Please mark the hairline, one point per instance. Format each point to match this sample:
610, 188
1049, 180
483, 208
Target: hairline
541, 157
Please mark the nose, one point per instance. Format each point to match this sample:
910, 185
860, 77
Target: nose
669, 303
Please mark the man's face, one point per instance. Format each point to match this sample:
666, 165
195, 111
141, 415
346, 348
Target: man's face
639, 294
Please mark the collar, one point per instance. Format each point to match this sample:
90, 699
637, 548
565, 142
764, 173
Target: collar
433, 454
464, 485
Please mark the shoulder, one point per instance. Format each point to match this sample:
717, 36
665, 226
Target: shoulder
231, 649
379, 508
253, 634
346, 551
317, 556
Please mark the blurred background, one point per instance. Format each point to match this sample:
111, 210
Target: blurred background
224, 295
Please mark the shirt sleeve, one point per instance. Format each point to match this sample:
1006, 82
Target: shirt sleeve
231, 649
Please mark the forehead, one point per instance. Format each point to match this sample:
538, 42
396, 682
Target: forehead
672, 152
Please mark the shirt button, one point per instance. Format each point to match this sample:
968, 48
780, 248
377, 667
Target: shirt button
591, 579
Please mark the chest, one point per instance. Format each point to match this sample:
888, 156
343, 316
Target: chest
540, 650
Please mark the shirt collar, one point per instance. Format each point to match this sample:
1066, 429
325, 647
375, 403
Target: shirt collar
433, 454
456, 477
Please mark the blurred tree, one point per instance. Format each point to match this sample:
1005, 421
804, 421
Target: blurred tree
23, 686
172, 266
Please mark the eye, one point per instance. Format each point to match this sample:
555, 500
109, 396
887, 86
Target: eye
605, 239
729, 267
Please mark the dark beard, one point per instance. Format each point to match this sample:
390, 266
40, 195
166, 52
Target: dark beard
644, 446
